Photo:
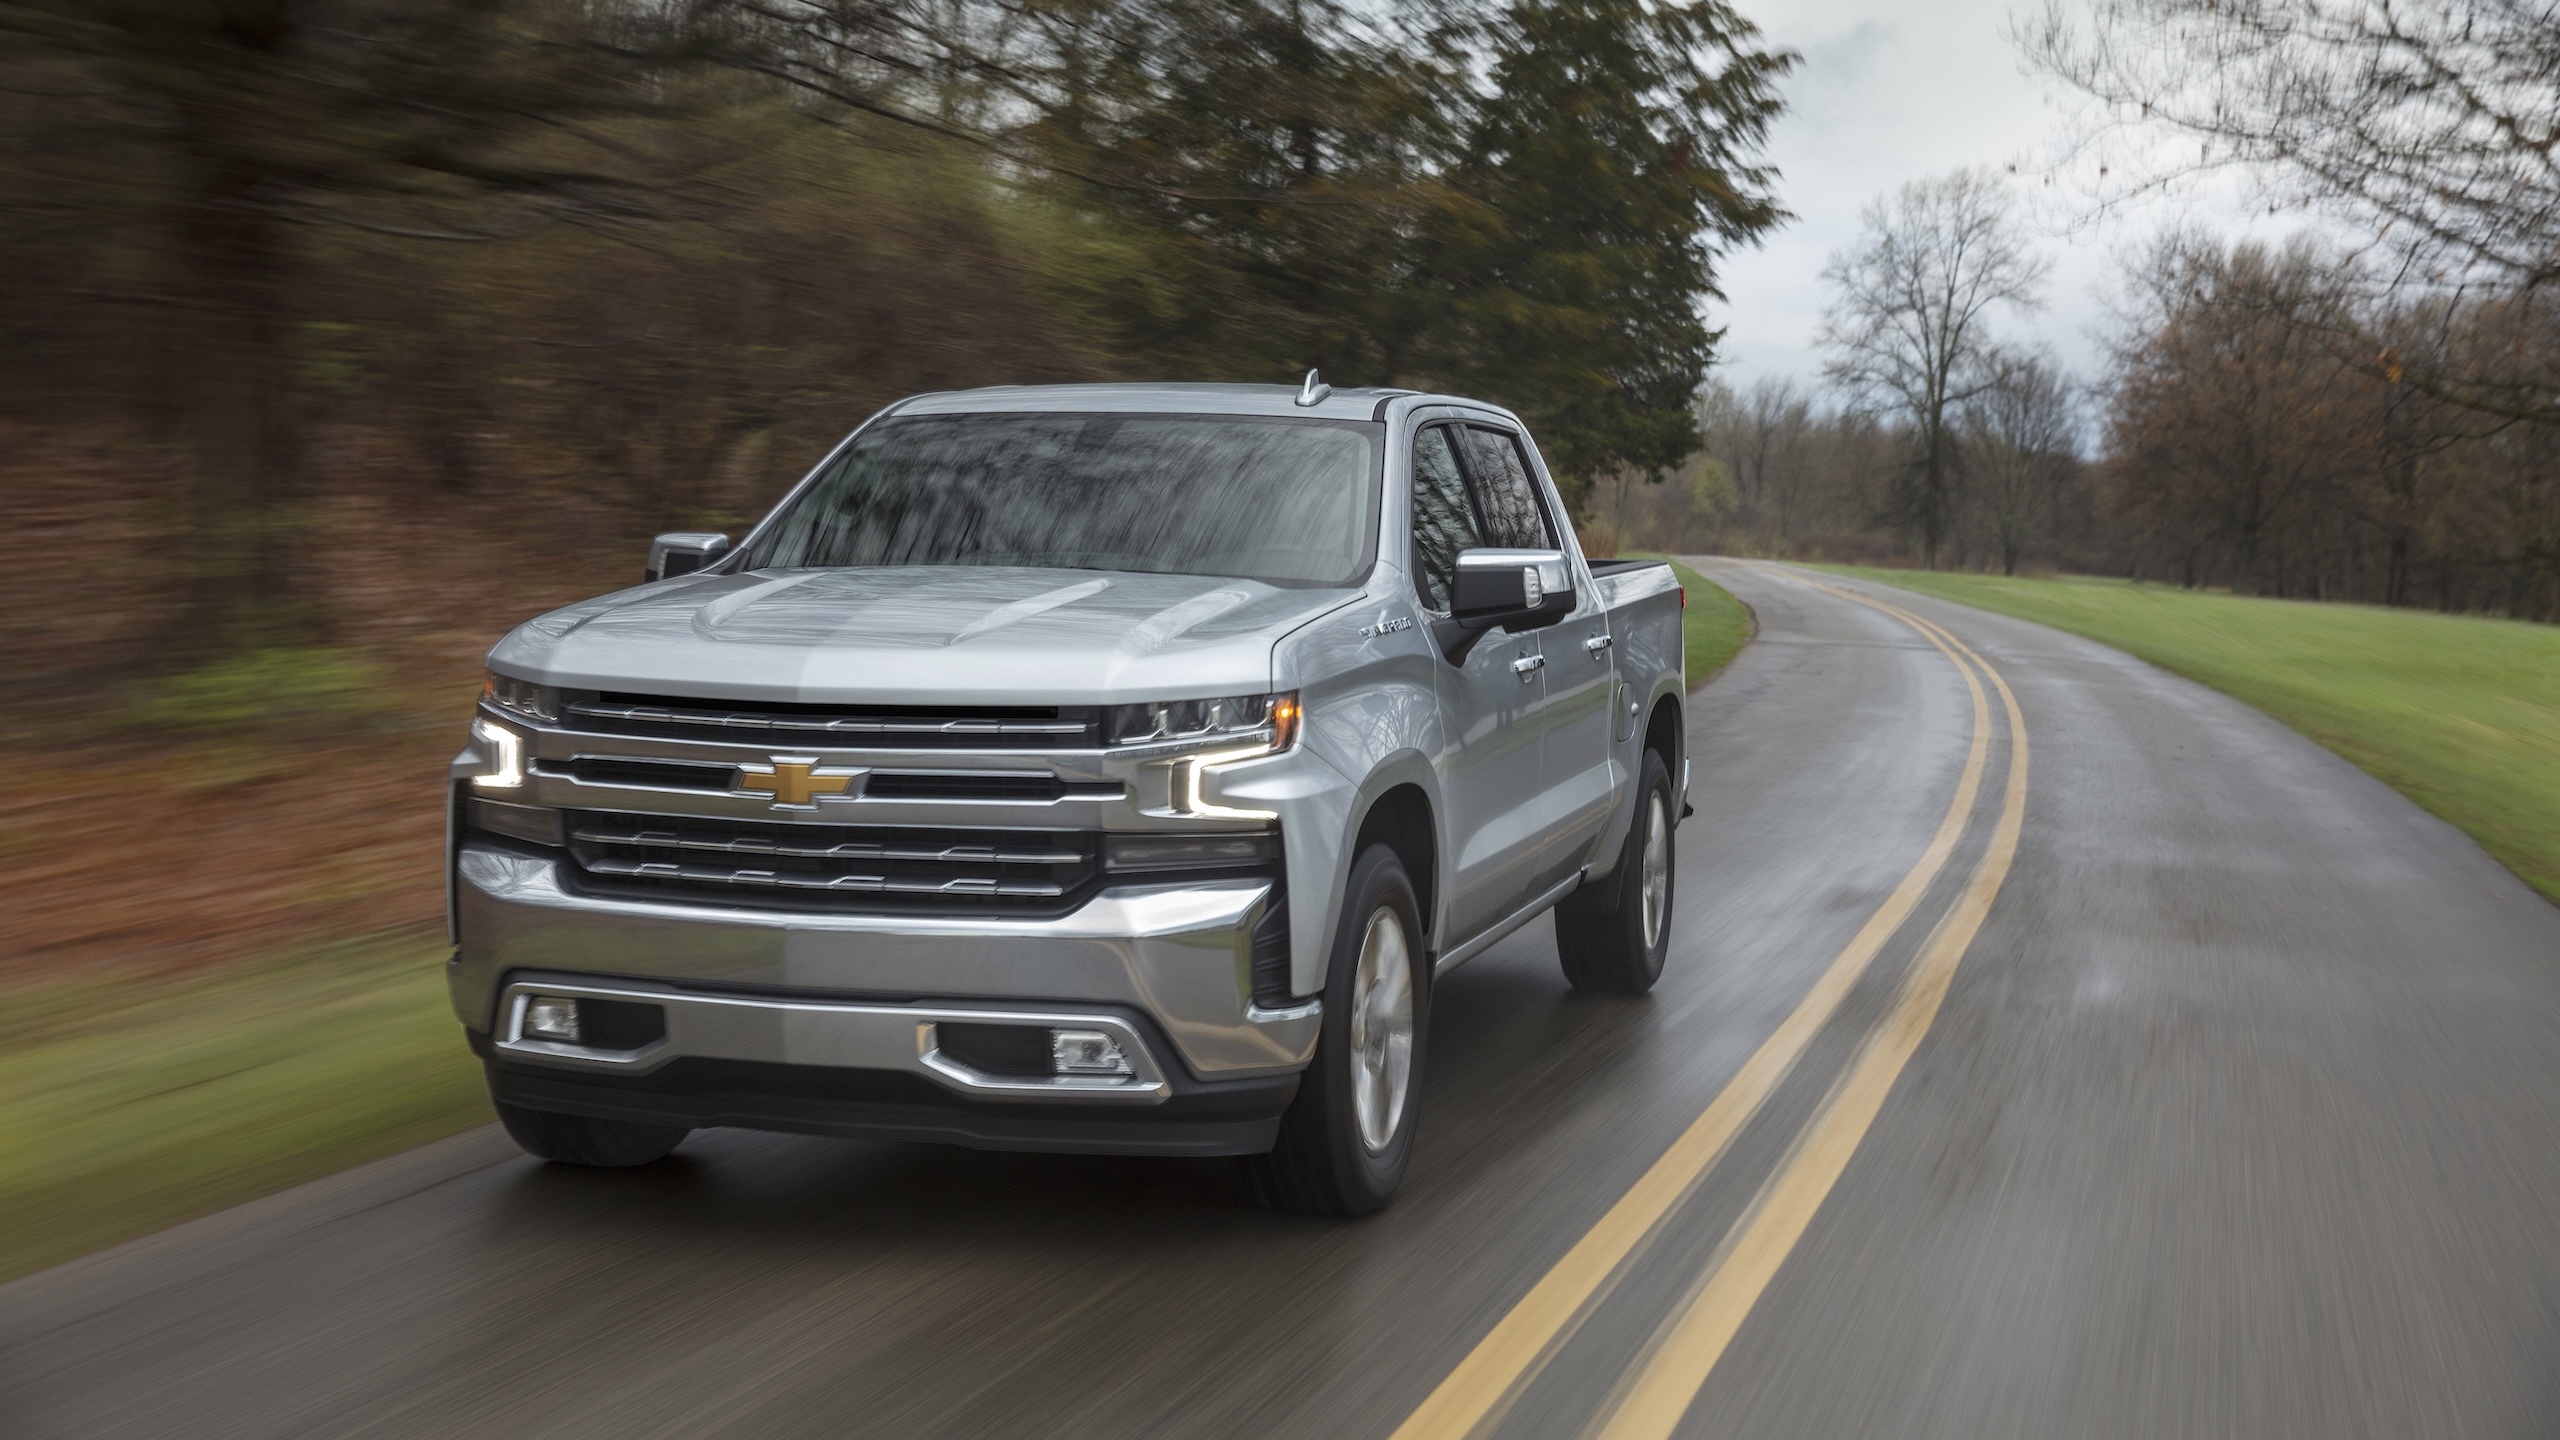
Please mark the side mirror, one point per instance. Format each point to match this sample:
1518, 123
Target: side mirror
1505, 589
682, 552
1509, 587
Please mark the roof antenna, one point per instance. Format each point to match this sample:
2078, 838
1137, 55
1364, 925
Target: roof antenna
1313, 391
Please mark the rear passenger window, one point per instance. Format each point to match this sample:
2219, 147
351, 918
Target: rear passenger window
1443, 522
1513, 517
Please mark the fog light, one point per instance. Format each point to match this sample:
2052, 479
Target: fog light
551, 1017
1087, 1052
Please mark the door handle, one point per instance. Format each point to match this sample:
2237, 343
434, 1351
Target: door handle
1597, 645
1528, 665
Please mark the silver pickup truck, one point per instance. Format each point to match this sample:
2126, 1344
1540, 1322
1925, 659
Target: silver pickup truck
1100, 768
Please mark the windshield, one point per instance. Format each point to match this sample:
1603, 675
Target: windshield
1287, 501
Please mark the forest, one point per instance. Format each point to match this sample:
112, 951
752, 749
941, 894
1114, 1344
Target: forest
2355, 400
280, 279
337, 336
2245, 432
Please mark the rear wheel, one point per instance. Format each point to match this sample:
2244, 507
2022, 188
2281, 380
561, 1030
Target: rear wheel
1347, 1137
1612, 936
577, 1140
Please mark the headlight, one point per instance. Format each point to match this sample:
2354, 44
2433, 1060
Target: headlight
1237, 717
505, 750
522, 697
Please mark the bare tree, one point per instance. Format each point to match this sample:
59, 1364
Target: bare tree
1907, 328
1763, 437
2022, 434
2436, 125
2228, 421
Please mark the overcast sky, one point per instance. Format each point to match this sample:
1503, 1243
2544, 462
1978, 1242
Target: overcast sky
1890, 92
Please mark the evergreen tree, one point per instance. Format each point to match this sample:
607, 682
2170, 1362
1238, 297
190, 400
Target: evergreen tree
1277, 158
1610, 164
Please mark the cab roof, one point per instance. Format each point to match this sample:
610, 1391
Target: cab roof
1344, 403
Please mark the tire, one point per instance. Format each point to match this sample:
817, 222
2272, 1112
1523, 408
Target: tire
1347, 1137
1613, 936
577, 1140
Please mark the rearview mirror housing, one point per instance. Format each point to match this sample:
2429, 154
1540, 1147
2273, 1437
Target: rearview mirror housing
681, 552
1512, 588
1505, 590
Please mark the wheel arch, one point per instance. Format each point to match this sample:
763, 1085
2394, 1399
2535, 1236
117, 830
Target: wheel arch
1402, 818
1398, 801
1665, 735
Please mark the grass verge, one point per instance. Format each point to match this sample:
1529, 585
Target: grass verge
129, 1103
2460, 714
1713, 627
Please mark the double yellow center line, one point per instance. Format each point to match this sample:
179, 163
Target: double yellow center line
1658, 1389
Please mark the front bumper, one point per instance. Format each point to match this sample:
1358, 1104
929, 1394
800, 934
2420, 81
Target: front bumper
869, 1071
836, 1012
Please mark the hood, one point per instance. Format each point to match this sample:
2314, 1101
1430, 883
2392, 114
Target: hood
930, 634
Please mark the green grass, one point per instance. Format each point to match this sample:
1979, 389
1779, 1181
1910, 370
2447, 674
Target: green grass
2460, 714
129, 1103
1714, 627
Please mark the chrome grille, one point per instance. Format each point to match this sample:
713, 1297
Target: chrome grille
885, 727
840, 868
652, 774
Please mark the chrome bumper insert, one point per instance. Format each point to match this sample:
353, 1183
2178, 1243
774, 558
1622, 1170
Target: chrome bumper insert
1180, 954
827, 1033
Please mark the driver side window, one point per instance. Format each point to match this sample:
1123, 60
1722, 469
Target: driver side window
1444, 522
1504, 492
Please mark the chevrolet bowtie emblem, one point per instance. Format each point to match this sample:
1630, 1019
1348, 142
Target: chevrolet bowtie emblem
795, 782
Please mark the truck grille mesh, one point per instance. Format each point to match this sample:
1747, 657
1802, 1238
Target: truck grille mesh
844, 869
885, 727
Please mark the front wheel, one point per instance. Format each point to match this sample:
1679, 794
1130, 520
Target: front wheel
1612, 936
1347, 1137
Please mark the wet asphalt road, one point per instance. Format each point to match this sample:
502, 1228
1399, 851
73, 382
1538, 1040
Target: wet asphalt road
2241, 1117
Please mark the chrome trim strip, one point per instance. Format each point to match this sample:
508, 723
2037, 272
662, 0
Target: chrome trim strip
850, 725
828, 1033
728, 767
789, 880
718, 777
1073, 793
851, 850
1518, 918
1134, 908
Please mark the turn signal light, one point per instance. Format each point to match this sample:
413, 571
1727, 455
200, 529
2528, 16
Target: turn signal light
1284, 720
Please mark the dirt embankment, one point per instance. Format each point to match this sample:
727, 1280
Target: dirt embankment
168, 821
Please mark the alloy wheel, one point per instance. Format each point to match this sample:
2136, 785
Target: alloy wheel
1381, 1029
1657, 868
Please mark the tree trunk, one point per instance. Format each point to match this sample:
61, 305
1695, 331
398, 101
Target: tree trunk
236, 410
